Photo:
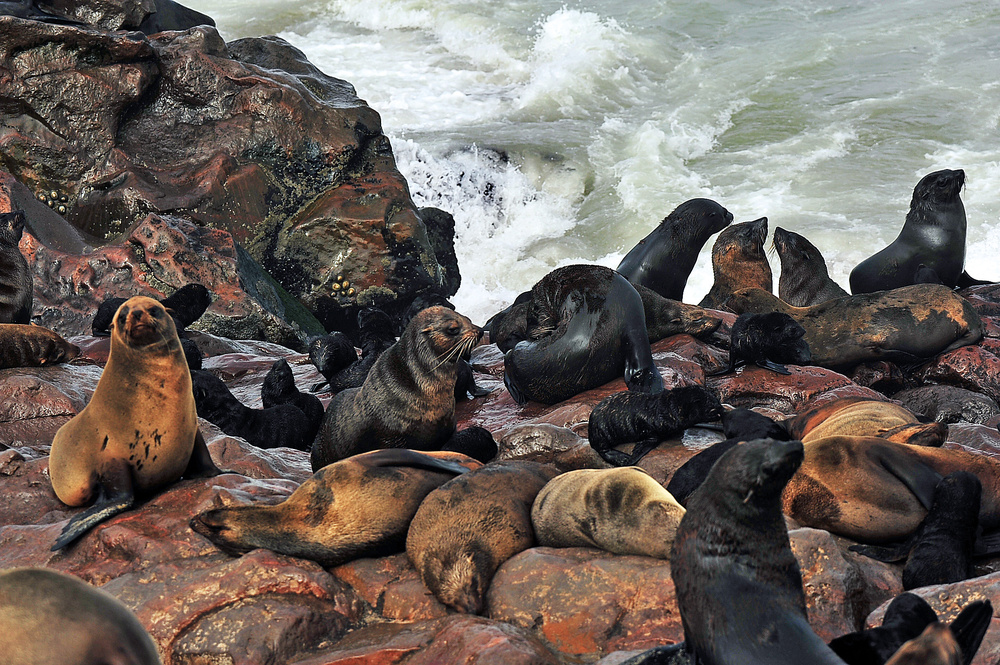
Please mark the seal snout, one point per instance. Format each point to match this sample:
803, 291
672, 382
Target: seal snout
781, 459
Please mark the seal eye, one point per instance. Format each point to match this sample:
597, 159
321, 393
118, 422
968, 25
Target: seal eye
454, 329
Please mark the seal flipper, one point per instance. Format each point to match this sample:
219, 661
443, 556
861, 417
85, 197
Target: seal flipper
671, 654
413, 458
970, 626
200, 465
114, 496
773, 366
919, 478
965, 279
885, 553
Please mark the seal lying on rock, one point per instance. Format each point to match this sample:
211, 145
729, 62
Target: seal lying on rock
23, 345
139, 431
907, 324
804, 279
663, 260
279, 388
857, 416
358, 507
15, 276
408, 397
338, 362
767, 340
738, 262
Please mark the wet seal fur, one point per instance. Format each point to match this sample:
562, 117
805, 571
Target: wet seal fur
739, 261
663, 260
336, 359
623, 511
905, 325
857, 416
185, 306
466, 528
805, 279
358, 507
16, 295
279, 388
408, 397
583, 326
51, 617
23, 345
933, 236
768, 340
139, 432
645, 420
739, 587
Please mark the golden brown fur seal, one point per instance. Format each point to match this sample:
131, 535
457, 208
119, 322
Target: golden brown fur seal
738, 262
466, 528
23, 345
906, 324
408, 397
48, 617
621, 510
359, 506
140, 430
857, 416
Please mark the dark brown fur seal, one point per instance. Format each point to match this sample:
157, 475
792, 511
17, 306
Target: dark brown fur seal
666, 317
358, 507
279, 388
33, 346
935, 646
15, 276
739, 261
805, 279
49, 618
408, 397
623, 511
466, 528
185, 306
933, 235
768, 340
139, 431
857, 416
662, 261
907, 324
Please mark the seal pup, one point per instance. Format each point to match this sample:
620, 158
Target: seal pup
408, 397
583, 326
663, 260
336, 359
139, 431
645, 420
805, 279
23, 345
279, 388
358, 507
738, 262
857, 416
768, 340
331, 354
623, 511
908, 324
185, 306
933, 235
476, 442
466, 528
739, 588
48, 617
935, 646
16, 295
278, 426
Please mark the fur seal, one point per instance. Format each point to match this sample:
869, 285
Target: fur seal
16, 295
805, 279
139, 431
466, 528
933, 235
935, 646
739, 588
908, 324
666, 317
662, 261
48, 617
739, 262
408, 398
645, 420
857, 416
336, 359
476, 442
358, 507
279, 426
767, 340
623, 511
24, 345
185, 306
279, 388
583, 326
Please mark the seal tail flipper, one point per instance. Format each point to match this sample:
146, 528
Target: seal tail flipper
773, 366
965, 279
200, 465
641, 449
970, 626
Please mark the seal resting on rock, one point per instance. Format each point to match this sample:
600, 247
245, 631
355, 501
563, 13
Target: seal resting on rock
50, 618
279, 388
23, 345
583, 326
908, 324
408, 397
185, 306
857, 416
767, 340
805, 279
139, 431
358, 507
623, 511
933, 236
466, 528
738, 262
15, 276
663, 260
336, 359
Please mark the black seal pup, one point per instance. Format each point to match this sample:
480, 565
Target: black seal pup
767, 340
933, 235
584, 326
408, 397
185, 306
338, 362
15, 276
279, 388
805, 279
662, 261
739, 261
645, 420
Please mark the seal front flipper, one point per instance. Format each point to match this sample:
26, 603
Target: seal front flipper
885, 553
965, 279
919, 478
200, 465
114, 496
773, 366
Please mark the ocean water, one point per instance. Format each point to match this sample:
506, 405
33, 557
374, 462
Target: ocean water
560, 132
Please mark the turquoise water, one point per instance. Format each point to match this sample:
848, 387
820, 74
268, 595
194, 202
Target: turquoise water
560, 132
